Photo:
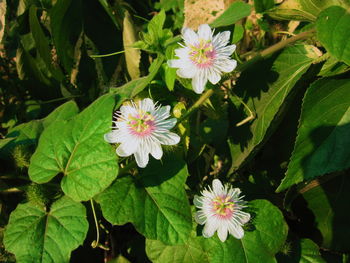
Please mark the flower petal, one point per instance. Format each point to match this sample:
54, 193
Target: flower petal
114, 136
147, 105
187, 73
168, 138
221, 39
217, 187
214, 77
204, 32
161, 113
167, 124
189, 36
127, 148
222, 232
226, 65
175, 63
156, 150
200, 217
243, 217
198, 83
210, 228
141, 157
197, 201
236, 231
127, 109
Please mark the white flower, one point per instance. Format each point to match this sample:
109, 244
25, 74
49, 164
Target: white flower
220, 210
203, 57
140, 129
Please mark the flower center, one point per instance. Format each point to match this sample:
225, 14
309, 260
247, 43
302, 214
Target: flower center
203, 53
223, 206
141, 124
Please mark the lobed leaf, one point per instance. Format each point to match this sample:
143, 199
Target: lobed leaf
155, 201
258, 245
36, 235
77, 150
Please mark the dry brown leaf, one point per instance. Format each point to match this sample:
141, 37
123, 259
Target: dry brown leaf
132, 55
199, 12
2, 18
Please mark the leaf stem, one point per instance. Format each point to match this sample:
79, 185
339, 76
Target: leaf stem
95, 243
206, 95
107, 55
284, 43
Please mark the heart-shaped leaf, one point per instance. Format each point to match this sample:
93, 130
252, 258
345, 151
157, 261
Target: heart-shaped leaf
36, 235
155, 201
76, 149
260, 244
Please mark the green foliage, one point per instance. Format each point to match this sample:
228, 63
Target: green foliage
333, 25
76, 149
276, 127
157, 195
268, 91
304, 10
235, 12
155, 39
329, 204
260, 244
35, 234
323, 128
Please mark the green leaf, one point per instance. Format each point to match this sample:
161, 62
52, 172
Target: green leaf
36, 235
231, 15
263, 5
42, 43
76, 149
155, 201
193, 251
329, 204
303, 10
301, 251
28, 133
333, 25
258, 245
134, 87
238, 33
322, 145
66, 27
310, 252
266, 96
333, 67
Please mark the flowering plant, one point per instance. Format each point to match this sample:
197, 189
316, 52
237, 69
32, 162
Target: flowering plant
174, 131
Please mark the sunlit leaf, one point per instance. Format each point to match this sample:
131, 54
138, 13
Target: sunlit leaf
37, 235
266, 95
77, 150
154, 201
260, 244
322, 145
231, 15
333, 25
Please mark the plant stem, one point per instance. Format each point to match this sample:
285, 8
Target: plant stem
284, 43
126, 168
241, 67
206, 95
94, 243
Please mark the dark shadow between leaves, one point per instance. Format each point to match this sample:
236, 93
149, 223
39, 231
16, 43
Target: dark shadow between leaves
159, 171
